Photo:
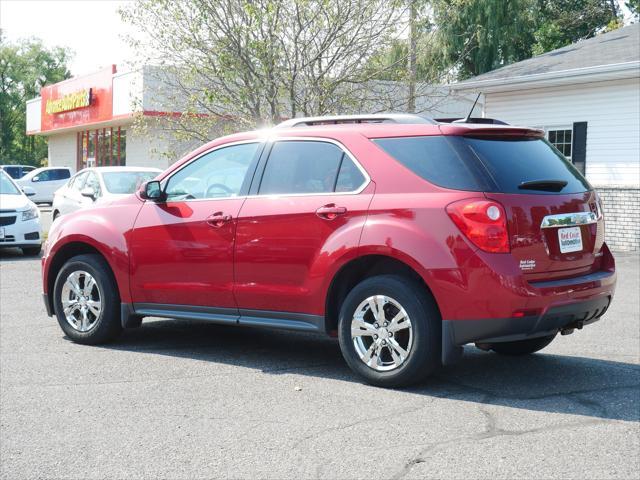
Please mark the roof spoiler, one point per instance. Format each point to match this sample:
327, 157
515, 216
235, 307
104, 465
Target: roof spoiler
497, 132
398, 118
481, 120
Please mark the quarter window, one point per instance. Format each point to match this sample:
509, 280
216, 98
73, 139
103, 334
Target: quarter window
308, 167
217, 174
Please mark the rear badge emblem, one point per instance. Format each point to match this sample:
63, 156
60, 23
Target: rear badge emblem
527, 265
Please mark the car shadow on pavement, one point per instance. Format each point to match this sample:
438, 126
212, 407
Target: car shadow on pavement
15, 255
541, 382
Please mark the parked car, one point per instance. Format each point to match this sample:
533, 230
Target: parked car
17, 171
45, 181
404, 237
19, 218
99, 186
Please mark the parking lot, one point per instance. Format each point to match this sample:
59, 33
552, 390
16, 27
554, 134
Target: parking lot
178, 399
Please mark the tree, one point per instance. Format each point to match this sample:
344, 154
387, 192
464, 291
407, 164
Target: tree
264, 60
482, 35
563, 22
25, 67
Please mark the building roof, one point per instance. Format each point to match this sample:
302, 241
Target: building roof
618, 50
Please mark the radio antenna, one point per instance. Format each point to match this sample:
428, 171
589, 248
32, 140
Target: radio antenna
468, 117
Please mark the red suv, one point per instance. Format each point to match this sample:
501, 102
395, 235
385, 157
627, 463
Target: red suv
405, 237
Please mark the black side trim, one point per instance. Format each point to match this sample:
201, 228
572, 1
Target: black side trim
256, 318
187, 312
285, 320
591, 277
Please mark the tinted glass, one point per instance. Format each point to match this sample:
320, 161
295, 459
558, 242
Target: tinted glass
60, 174
301, 167
435, 160
6, 186
217, 174
13, 172
493, 165
350, 177
125, 182
512, 162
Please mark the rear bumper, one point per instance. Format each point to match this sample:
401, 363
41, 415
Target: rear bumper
574, 315
548, 308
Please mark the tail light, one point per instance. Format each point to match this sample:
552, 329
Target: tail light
484, 222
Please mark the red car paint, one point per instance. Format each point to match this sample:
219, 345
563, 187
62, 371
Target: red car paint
277, 253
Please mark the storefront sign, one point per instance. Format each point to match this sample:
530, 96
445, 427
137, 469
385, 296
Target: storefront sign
71, 101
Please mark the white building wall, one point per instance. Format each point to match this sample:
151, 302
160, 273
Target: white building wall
34, 115
62, 150
611, 108
127, 93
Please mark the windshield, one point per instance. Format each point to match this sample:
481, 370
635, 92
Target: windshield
7, 187
121, 183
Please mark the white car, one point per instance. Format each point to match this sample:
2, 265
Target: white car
45, 181
19, 218
99, 186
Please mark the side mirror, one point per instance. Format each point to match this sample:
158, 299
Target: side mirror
152, 190
28, 191
88, 192
36, 178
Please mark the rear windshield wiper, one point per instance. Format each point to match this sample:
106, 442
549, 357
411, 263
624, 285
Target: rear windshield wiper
548, 185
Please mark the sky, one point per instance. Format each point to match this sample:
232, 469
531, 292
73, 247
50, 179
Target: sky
91, 28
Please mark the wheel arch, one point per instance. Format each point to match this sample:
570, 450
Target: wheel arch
61, 256
359, 269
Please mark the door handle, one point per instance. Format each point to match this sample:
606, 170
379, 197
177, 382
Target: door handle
218, 219
330, 211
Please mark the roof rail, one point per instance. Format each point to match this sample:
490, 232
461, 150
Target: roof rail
404, 118
482, 120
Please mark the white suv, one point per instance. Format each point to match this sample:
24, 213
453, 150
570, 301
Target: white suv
19, 218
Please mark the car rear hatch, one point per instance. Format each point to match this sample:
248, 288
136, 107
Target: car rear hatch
554, 227
554, 217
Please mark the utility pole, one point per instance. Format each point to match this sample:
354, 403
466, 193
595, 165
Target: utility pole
413, 40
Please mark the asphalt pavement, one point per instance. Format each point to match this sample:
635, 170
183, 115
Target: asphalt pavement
176, 399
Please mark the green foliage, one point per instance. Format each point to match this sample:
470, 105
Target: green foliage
25, 67
482, 35
471, 37
563, 22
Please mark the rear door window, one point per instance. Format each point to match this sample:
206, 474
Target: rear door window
309, 167
485, 164
60, 174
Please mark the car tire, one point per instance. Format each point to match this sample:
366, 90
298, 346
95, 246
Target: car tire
522, 347
87, 287
31, 251
420, 339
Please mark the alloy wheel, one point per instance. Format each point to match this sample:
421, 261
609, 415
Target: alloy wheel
81, 300
382, 333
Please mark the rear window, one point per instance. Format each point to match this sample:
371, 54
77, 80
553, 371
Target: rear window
485, 164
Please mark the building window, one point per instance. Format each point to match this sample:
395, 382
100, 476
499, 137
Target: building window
561, 138
102, 147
